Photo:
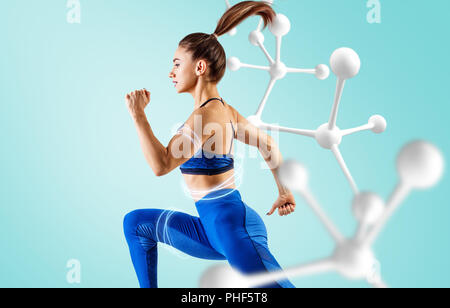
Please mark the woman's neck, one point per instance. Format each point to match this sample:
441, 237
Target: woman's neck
203, 92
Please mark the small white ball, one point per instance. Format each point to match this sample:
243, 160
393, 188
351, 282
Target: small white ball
232, 32
233, 64
367, 207
255, 121
322, 72
255, 37
280, 26
293, 175
222, 276
420, 164
345, 63
379, 124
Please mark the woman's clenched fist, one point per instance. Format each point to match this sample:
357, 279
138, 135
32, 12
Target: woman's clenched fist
137, 101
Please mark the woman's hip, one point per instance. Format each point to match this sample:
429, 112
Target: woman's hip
224, 215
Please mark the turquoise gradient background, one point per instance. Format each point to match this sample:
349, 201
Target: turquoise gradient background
72, 166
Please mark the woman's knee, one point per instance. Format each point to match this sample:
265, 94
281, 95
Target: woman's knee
130, 221
133, 219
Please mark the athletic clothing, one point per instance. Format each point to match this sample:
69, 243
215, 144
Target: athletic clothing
226, 229
207, 163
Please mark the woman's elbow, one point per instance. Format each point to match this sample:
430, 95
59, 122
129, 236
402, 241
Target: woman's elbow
160, 172
268, 145
157, 168
164, 169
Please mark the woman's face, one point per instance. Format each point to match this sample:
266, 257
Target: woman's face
183, 71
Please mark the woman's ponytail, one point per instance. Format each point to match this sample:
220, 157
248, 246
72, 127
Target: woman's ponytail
241, 11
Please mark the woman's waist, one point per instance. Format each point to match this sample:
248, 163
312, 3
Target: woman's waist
207, 183
212, 194
218, 197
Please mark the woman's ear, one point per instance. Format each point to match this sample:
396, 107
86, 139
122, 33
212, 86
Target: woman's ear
201, 67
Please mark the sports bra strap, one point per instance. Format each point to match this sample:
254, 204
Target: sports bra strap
234, 132
212, 99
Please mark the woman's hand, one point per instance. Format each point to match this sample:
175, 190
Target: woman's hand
285, 204
137, 101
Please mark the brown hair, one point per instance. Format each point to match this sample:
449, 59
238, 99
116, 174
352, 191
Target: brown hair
206, 46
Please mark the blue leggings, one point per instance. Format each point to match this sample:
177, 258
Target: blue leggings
227, 229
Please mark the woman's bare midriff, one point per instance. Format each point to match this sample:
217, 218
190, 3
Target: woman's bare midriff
201, 185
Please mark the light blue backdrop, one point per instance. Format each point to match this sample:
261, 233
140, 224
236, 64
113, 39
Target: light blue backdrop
72, 166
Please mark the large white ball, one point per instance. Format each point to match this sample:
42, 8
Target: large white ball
420, 164
222, 276
345, 63
354, 261
280, 25
278, 70
233, 64
293, 175
327, 137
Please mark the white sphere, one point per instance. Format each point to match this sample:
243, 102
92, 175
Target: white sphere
379, 124
367, 207
278, 70
293, 175
420, 165
255, 121
345, 63
280, 25
322, 71
233, 64
327, 138
354, 261
232, 32
222, 276
256, 37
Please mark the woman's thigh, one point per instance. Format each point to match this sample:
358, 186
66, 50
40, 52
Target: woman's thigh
244, 243
179, 230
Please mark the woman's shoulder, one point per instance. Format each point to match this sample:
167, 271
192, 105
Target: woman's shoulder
233, 114
220, 113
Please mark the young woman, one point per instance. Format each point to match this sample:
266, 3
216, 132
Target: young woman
227, 228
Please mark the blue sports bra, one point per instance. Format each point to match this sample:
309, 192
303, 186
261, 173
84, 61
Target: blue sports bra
211, 163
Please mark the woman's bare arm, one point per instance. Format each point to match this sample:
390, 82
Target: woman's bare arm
253, 136
154, 151
181, 147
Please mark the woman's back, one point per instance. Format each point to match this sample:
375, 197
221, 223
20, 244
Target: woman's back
213, 165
